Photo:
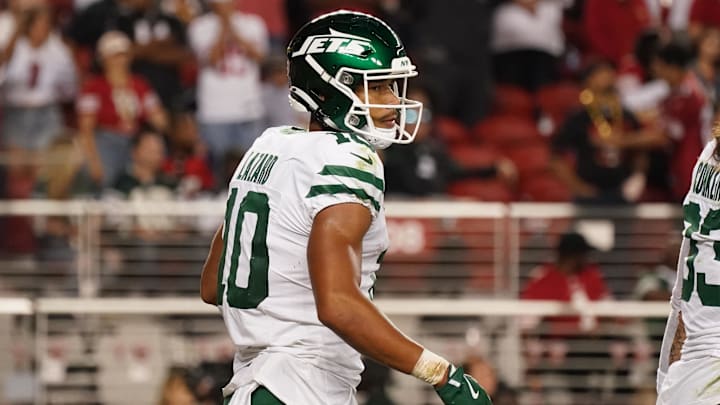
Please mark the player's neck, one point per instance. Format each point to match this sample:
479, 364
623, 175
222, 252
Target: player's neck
316, 126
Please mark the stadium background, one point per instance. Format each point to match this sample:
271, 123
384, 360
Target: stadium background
98, 280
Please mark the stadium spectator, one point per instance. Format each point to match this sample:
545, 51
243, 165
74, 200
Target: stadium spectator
527, 39
39, 76
36, 74
11, 17
678, 15
158, 40
112, 107
653, 285
210, 376
613, 25
230, 47
274, 15
640, 90
424, 168
657, 283
8, 24
184, 10
176, 390
591, 137
574, 279
186, 162
143, 180
451, 44
705, 66
704, 14
486, 375
402, 15
686, 115
58, 176
275, 91
570, 278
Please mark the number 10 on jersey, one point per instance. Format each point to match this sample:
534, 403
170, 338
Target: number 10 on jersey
259, 264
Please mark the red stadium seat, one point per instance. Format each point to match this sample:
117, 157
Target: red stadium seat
451, 131
513, 100
529, 158
557, 100
544, 187
473, 155
484, 190
506, 131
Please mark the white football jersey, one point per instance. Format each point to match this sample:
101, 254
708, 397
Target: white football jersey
264, 288
698, 291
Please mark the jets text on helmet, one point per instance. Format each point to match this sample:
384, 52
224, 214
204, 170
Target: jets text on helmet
335, 42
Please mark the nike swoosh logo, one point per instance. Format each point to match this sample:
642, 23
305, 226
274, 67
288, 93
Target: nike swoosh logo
366, 159
473, 393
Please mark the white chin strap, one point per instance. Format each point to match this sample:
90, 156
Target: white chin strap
382, 140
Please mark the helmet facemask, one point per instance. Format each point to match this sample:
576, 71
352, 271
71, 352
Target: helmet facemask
358, 118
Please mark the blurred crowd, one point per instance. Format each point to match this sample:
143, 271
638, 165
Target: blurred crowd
586, 101
591, 101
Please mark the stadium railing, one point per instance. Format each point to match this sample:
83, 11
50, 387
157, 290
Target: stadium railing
111, 289
119, 248
115, 350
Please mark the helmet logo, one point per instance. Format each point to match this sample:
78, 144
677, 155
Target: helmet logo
335, 42
346, 79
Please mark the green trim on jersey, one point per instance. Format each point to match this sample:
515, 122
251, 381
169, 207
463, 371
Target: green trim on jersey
292, 130
261, 396
342, 189
347, 171
345, 137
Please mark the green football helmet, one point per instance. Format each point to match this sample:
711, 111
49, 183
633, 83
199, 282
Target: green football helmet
337, 53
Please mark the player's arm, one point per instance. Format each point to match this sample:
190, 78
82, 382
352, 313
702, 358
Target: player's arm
678, 340
674, 329
334, 258
209, 277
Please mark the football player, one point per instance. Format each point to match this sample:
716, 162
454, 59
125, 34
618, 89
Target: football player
293, 266
689, 371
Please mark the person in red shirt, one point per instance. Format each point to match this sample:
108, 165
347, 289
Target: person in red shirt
571, 278
614, 25
112, 107
686, 115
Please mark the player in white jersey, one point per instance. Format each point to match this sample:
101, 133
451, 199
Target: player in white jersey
293, 266
689, 372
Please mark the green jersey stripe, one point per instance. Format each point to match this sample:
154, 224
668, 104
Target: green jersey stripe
342, 189
346, 171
